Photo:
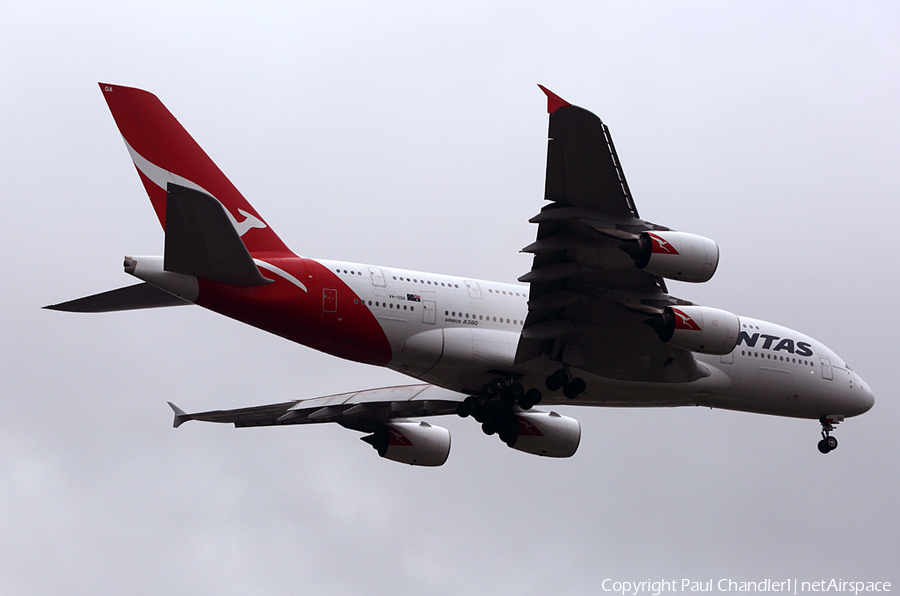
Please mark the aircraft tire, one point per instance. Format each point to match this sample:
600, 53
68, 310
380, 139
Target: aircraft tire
531, 398
462, 410
555, 381
574, 388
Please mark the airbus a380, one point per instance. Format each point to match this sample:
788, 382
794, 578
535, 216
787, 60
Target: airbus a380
591, 324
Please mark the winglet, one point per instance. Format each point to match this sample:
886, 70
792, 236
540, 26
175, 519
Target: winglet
554, 101
180, 416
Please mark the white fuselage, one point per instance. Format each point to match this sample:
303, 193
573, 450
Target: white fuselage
458, 332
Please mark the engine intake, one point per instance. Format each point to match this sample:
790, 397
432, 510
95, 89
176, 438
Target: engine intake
697, 328
675, 255
413, 443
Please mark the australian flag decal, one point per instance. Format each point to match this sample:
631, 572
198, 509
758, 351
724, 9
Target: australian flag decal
414, 298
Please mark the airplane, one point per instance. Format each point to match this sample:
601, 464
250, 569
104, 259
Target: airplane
591, 324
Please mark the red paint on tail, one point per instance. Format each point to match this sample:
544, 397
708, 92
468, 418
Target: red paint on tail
163, 151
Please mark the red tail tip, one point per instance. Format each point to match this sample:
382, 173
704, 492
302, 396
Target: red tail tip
554, 101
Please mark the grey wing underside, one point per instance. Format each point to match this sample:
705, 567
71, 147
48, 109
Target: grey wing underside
359, 410
588, 300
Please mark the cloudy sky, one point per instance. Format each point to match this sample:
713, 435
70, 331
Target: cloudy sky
413, 134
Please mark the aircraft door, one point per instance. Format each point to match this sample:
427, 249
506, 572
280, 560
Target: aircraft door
429, 312
474, 290
329, 300
377, 277
827, 372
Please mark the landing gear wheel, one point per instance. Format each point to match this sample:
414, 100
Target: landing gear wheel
492, 388
555, 381
530, 399
828, 443
510, 431
488, 427
462, 410
512, 428
574, 388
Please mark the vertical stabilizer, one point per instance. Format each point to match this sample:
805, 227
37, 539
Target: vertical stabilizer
164, 152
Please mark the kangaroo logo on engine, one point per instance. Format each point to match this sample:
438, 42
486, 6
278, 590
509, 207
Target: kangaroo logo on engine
682, 321
661, 245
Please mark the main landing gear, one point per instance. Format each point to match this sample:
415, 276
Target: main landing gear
493, 407
828, 443
572, 388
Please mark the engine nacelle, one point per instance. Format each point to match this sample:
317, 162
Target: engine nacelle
413, 443
547, 434
697, 328
675, 255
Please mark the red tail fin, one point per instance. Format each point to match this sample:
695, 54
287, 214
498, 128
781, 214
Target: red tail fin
163, 152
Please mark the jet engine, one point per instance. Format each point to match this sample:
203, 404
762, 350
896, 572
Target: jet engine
413, 443
697, 328
548, 434
675, 255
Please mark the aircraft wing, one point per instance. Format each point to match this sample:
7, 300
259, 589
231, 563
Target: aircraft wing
360, 410
588, 300
583, 169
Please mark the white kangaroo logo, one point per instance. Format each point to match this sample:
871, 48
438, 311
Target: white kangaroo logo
161, 178
250, 222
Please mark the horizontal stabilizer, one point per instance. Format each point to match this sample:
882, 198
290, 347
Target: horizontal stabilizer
180, 416
129, 298
201, 240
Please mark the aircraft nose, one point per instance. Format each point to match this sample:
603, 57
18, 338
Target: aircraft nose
869, 398
864, 399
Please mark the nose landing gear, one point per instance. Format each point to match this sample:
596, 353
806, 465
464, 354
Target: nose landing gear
828, 443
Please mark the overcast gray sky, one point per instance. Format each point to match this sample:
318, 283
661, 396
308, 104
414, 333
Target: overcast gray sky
413, 134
